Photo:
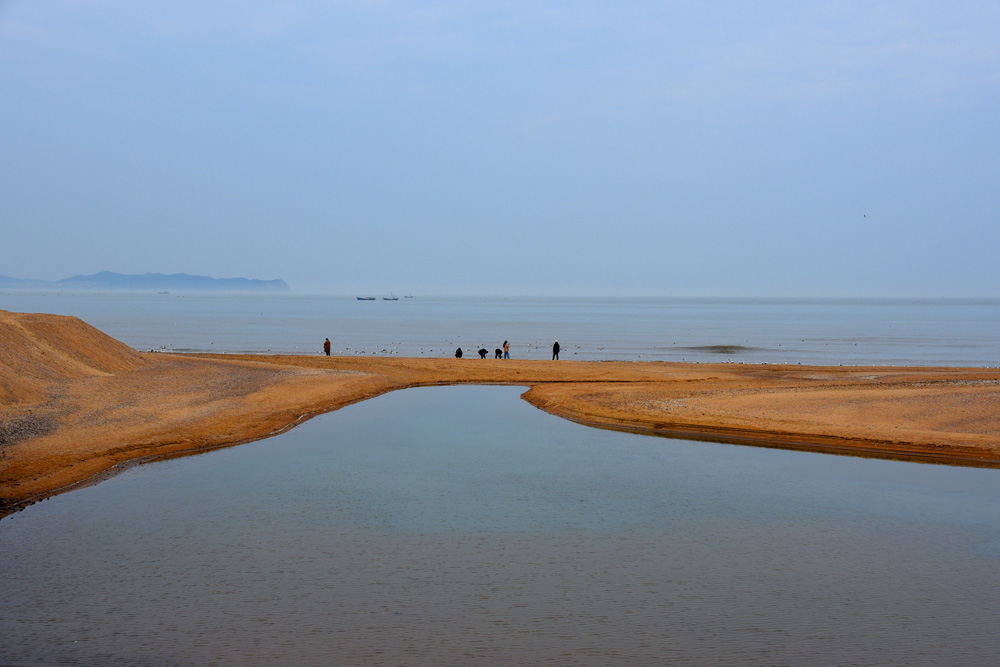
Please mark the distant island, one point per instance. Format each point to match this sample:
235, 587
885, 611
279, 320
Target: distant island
149, 282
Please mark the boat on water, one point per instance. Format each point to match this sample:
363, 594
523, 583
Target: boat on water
391, 297
366, 298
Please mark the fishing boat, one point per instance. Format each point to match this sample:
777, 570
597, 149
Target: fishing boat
366, 298
391, 297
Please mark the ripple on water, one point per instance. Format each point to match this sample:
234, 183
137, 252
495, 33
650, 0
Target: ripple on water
462, 526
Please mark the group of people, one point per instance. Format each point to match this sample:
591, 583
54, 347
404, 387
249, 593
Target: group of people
504, 353
498, 353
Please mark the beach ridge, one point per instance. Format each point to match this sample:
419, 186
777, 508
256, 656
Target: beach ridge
77, 405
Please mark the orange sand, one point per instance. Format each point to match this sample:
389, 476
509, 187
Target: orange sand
76, 405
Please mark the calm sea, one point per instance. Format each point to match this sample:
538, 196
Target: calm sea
807, 331
461, 526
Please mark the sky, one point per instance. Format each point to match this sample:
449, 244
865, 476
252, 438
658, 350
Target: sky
647, 148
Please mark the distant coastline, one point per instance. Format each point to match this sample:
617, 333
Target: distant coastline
149, 282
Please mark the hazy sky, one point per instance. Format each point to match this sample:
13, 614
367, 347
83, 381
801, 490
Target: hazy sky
439, 147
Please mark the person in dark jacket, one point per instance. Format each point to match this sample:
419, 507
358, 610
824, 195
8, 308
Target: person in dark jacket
458, 353
326, 347
555, 350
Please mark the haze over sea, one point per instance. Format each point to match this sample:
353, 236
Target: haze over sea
922, 332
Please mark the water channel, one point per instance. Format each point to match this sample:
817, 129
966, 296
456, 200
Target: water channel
460, 526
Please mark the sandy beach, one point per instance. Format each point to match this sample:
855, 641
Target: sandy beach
77, 405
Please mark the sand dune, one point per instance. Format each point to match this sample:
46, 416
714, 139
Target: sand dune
76, 405
37, 350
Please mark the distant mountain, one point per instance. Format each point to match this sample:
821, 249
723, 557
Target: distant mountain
150, 282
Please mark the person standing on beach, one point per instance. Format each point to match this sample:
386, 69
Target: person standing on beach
506, 350
555, 350
326, 347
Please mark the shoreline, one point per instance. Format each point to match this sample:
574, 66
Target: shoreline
66, 470
76, 412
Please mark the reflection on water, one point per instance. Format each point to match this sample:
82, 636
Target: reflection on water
462, 526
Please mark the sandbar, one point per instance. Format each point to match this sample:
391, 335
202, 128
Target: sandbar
77, 405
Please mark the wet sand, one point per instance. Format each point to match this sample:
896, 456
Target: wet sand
76, 405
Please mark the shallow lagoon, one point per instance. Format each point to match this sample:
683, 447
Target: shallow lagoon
459, 525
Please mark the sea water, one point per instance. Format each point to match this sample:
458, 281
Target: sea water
462, 526
924, 332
